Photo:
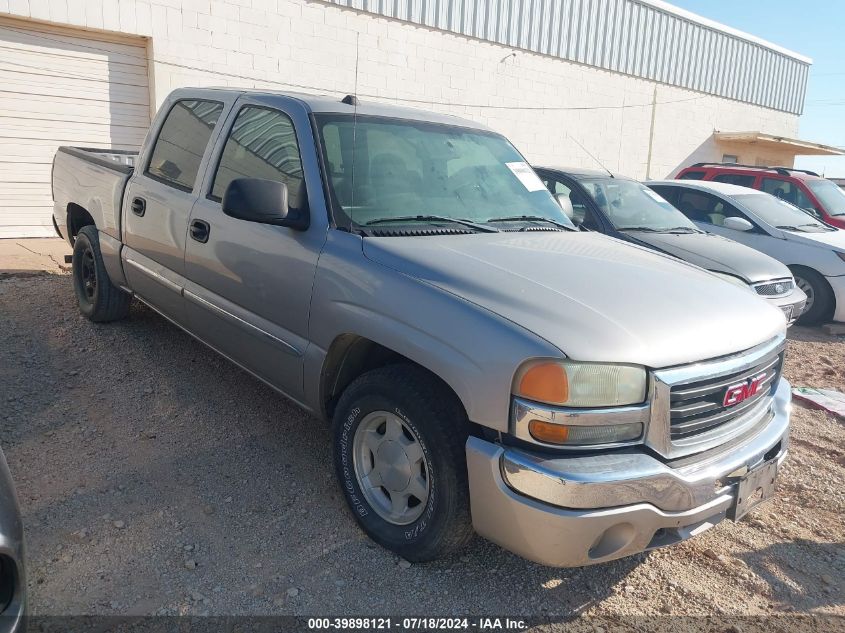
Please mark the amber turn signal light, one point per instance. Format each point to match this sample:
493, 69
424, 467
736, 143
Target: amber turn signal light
548, 432
545, 382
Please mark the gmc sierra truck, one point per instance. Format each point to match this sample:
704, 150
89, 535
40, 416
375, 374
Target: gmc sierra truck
406, 276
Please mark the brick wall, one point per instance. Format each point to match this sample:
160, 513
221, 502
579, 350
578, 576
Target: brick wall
540, 102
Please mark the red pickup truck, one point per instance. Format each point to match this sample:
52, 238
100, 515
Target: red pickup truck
805, 189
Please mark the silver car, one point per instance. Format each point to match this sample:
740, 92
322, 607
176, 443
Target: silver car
813, 251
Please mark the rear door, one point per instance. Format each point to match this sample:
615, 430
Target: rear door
159, 198
248, 287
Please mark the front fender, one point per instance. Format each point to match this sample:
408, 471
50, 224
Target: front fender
471, 349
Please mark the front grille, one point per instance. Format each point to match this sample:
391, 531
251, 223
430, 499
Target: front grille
698, 406
776, 288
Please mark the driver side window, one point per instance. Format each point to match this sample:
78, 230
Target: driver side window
706, 208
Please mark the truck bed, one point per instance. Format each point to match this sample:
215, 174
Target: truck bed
93, 179
121, 160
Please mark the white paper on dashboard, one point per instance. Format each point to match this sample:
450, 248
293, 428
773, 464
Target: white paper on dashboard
526, 175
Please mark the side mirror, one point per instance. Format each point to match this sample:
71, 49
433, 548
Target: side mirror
264, 201
737, 224
566, 205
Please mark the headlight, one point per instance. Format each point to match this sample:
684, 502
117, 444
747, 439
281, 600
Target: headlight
573, 384
734, 280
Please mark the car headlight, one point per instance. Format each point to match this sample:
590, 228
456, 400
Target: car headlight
734, 280
574, 384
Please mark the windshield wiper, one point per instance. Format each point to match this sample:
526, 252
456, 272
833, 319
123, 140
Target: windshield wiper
532, 218
789, 228
645, 229
434, 218
683, 229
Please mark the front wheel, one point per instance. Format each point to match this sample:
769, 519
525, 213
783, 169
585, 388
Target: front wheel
820, 299
399, 452
98, 298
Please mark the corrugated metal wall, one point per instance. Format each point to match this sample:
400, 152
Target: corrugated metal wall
626, 36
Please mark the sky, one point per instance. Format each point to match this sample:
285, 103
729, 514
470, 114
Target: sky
815, 29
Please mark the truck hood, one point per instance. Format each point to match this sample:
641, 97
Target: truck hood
593, 297
714, 252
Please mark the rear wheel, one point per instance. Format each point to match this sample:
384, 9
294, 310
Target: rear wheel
399, 452
98, 298
820, 299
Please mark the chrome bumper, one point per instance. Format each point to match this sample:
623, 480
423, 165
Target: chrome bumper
580, 510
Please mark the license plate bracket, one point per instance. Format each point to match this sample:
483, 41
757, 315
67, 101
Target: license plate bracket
754, 488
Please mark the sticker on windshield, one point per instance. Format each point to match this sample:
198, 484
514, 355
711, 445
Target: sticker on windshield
526, 176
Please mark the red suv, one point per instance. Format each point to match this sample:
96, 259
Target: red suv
805, 189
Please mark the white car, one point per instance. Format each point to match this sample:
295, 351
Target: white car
813, 251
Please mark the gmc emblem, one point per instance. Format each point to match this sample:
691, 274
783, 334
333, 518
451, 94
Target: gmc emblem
743, 390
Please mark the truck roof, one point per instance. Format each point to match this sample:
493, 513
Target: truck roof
336, 105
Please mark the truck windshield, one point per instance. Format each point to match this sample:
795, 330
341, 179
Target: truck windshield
631, 206
780, 213
383, 169
829, 194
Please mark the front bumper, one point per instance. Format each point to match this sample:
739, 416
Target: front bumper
581, 510
838, 286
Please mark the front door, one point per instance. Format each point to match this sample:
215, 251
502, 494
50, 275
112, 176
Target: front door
248, 286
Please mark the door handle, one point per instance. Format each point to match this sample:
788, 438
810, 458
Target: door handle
139, 207
200, 231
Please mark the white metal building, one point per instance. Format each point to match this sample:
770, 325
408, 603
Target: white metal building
645, 87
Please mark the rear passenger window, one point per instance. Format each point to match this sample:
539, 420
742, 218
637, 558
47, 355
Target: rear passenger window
262, 144
788, 191
736, 179
692, 175
181, 143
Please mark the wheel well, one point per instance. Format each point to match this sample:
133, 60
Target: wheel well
351, 356
796, 270
77, 217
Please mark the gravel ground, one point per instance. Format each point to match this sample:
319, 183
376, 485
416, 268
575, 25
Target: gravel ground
157, 478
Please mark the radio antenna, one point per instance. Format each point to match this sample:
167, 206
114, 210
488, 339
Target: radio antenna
353, 100
600, 164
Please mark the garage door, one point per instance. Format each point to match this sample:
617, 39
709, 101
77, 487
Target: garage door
61, 87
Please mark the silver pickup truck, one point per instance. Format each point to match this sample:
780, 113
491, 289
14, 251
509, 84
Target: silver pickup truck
406, 276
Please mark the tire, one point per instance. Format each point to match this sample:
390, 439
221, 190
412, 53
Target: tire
820, 299
433, 434
98, 298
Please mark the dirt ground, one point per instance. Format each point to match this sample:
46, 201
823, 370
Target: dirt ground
157, 478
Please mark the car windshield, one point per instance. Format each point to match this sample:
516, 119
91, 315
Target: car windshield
631, 206
829, 194
780, 213
384, 170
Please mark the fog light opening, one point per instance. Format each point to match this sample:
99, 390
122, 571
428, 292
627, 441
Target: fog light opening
612, 540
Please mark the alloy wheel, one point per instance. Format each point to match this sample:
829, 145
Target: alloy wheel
391, 467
